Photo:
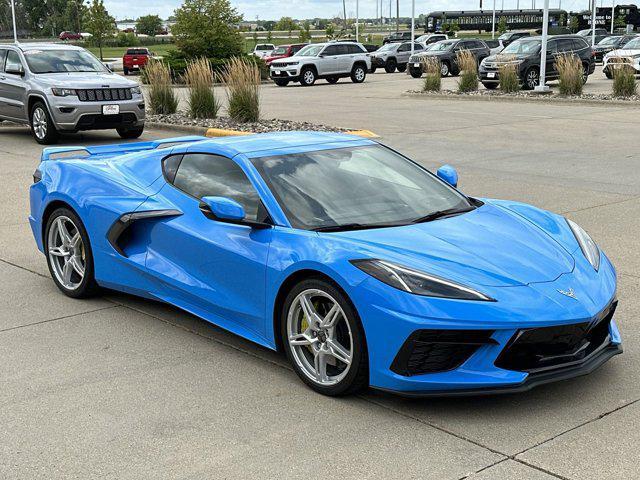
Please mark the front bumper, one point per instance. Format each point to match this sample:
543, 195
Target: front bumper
390, 318
289, 72
71, 114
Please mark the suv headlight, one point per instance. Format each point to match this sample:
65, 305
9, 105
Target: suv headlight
587, 245
416, 282
136, 90
63, 92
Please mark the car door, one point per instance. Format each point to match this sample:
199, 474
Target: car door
403, 52
329, 62
346, 57
13, 87
552, 56
204, 264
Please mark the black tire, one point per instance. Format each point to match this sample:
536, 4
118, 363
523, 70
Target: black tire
608, 74
333, 80
358, 73
308, 77
373, 70
42, 127
531, 78
280, 82
390, 65
125, 71
402, 67
415, 72
445, 69
88, 286
490, 86
357, 377
130, 132
585, 73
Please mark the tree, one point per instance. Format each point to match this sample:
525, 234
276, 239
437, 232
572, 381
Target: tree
574, 24
286, 24
99, 23
330, 31
206, 28
305, 32
620, 21
502, 25
149, 25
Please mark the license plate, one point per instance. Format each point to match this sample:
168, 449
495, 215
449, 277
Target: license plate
277, 72
491, 75
110, 109
416, 64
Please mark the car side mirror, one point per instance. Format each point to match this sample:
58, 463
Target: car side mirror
15, 70
227, 210
448, 174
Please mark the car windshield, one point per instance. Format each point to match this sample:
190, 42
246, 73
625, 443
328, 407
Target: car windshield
356, 187
280, 51
443, 46
62, 61
522, 47
137, 51
608, 41
633, 44
310, 50
505, 36
264, 47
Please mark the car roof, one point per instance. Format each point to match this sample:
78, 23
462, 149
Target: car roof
46, 46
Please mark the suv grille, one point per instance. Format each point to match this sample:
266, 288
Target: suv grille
430, 351
538, 349
102, 94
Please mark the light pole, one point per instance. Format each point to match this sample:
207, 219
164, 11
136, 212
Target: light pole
542, 88
493, 22
13, 14
413, 23
357, 19
593, 23
613, 13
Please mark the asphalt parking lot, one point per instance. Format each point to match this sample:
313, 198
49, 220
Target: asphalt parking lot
123, 388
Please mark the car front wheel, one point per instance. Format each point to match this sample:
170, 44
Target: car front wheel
42, 127
531, 78
358, 74
323, 338
280, 82
308, 77
130, 132
444, 69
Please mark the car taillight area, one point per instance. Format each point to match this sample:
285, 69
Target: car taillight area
540, 349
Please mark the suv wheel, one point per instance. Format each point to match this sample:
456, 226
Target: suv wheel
531, 78
130, 132
333, 80
390, 65
415, 72
358, 73
402, 67
444, 69
42, 127
125, 70
585, 73
307, 77
281, 82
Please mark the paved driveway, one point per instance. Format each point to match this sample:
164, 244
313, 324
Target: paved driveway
123, 388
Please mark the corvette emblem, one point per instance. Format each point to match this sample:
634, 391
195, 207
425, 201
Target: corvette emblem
568, 293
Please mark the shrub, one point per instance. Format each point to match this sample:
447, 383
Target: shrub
243, 89
199, 79
433, 79
468, 72
162, 98
570, 71
178, 64
126, 40
508, 74
624, 81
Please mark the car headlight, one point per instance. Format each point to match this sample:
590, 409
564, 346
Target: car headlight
416, 282
587, 245
136, 90
63, 92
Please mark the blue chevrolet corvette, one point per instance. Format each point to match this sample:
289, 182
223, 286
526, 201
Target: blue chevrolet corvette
362, 266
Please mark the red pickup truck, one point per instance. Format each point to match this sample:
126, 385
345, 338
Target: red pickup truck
69, 36
135, 59
284, 51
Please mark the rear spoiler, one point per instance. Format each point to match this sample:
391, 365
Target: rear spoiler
50, 153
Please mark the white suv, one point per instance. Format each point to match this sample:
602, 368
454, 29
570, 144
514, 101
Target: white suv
331, 61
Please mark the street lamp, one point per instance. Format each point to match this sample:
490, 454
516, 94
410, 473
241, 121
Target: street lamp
493, 22
593, 23
413, 24
613, 13
542, 88
13, 13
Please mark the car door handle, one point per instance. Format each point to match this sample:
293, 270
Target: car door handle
2, 77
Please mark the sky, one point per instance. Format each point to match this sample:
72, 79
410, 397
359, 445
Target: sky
300, 9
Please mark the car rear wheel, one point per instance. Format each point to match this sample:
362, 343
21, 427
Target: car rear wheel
281, 83
323, 338
608, 74
490, 86
125, 71
415, 72
445, 70
531, 79
307, 77
333, 79
69, 255
585, 73
130, 132
402, 67
390, 66
42, 127
358, 73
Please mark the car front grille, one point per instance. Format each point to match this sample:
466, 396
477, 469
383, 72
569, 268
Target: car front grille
539, 349
431, 351
104, 94
627, 60
98, 121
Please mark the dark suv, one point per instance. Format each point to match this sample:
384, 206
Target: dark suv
397, 37
525, 54
610, 44
447, 52
509, 37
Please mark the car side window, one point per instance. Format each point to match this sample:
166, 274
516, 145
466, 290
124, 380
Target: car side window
170, 167
552, 47
206, 175
417, 46
404, 47
13, 61
356, 49
565, 45
343, 49
579, 44
3, 54
331, 50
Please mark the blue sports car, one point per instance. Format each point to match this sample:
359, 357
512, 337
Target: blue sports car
362, 266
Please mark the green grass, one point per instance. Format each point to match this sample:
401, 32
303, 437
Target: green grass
118, 52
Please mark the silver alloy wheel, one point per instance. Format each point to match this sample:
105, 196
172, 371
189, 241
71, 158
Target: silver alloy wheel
66, 252
39, 122
444, 69
532, 78
359, 74
318, 334
309, 77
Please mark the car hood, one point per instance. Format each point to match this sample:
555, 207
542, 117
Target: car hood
499, 57
85, 80
489, 246
624, 53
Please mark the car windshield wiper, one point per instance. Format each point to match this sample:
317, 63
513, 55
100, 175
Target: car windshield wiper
443, 213
354, 226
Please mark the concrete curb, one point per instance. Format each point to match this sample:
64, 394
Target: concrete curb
219, 132
542, 99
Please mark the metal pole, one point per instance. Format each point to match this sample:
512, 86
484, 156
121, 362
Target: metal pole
357, 19
593, 24
413, 23
613, 13
543, 51
493, 22
15, 29
397, 15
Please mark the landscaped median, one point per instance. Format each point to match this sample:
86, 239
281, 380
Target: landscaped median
226, 127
